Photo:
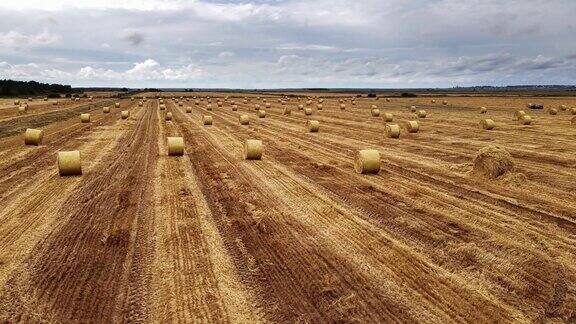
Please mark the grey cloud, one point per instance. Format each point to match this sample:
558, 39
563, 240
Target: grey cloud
133, 37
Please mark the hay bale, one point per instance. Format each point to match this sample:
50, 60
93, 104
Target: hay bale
573, 111
387, 99
300, 107
320, 100
319, 107
487, 124
69, 163
55, 103
492, 162
168, 116
308, 111
257, 107
518, 114
197, 102
140, 104
413, 109
412, 126
180, 104
261, 113
308, 103
367, 161
244, 120
209, 107
45, 99
162, 107
553, 111
22, 109
16, 102
342, 106
483, 110
234, 107
207, 120
392, 131
268, 105
563, 107
525, 120
219, 103
353, 103
388, 117
287, 111
252, 149
106, 110
433, 101
85, 118
33, 136
125, 114
175, 146
117, 105
313, 126
375, 112
421, 114
445, 103
188, 109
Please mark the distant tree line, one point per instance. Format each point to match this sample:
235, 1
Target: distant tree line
11, 88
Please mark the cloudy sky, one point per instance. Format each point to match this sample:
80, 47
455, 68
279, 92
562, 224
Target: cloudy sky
289, 43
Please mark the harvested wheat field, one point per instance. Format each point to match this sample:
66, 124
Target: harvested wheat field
268, 221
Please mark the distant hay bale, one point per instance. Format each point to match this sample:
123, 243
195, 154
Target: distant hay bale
319, 107
22, 109
375, 112
563, 107
45, 99
234, 107
518, 114
483, 110
313, 126
573, 111
245, 101
69, 163
188, 109
308, 111
175, 146
219, 103
487, 124
16, 102
445, 102
125, 114
207, 120
433, 101
367, 161
300, 107
244, 120
353, 103
553, 111
388, 117
387, 99
492, 162
308, 103
55, 103
76, 99
412, 126
320, 100
117, 105
197, 102
261, 113
29, 98
162, 107
140, 104
287, 111
33, 136
268, 105
421, 114
252, 149
85, 118
180, 104
106, 110
342, 106
209, 107
525, 120
257, 107
413, 109
168, 116
392, 131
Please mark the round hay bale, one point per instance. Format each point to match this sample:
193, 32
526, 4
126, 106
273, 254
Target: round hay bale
287, 111
445, 103
319, 107
257, 107
483, 110
387, 99
421, 114
261, 113
234, 107
342, 106
413, 109
553, 111
268, 105
353, 103
162, 107
45, 99
573, 111
22, 109
219, 103
375, 112
563, 107
244, 120
33, 136
308, 103
207, 120
106, 110
300, 107
69, 163
140, 104
320, 100
433, 101
245, 101
175, 146
313, 126
117, 105
209, 107
412, 126
518, 114
16, 102
55, 103
392, 131
188, 109
76, 99
388, 117
308, 111
180, 104
125, 114
197, 102
492, 162
487, 124
85, 118
168, 116
525, 120
29, 98
367, 161
252, 149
